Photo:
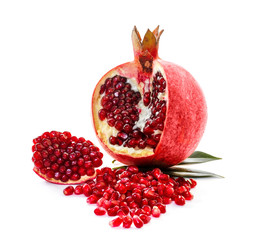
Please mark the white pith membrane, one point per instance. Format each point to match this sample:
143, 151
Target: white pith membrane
105, 131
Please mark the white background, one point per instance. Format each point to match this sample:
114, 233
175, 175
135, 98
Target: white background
52, 53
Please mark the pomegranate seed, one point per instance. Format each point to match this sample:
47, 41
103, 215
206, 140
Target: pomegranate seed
46, 142
78, 190
116, 222
113, 140
133, 169
127, 127
92, 199
87, 190
101, 201
50, 173
168, 191
137, 221
163, 178
156, 172
188, 196
99, 211
102, 89
147, 209
119, 85
151, 142
166, 200
113, 211
122, 135
119, 125
146, 219
90, 172
146, 98
39, 147
64, 178
127, 221
106, 204
161, 207
97, 162
193, 183
148, 130
149, 193
68, 172
68, 191
132, 142
142, 144
144, 201
121, 188
180, 190
37, 156
57, 176
179, 200
156, 212
38, 163
121, 213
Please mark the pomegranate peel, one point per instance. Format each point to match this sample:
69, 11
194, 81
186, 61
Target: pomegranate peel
148, 111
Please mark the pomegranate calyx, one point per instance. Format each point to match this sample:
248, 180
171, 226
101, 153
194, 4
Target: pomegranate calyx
149, 44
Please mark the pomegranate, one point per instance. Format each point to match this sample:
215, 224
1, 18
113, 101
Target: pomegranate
65, 159
148, 111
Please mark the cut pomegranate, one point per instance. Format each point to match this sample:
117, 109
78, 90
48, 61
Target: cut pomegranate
149, 111
64, 159
133, 196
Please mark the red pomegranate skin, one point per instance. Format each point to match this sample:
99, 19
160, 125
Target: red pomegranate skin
185, 121
186, 116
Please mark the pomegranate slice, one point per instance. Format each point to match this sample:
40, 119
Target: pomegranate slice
148, 111
64, 159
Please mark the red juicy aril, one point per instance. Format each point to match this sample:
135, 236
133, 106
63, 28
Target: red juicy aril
149, 111
132, 196
65, 159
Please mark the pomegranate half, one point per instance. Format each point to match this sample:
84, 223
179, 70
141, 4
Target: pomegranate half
148, 111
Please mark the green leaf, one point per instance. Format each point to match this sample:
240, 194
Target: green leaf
186, 172
199, 157
120, 167
199, 154
178, 172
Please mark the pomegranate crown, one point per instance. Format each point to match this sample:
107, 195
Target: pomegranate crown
146, 50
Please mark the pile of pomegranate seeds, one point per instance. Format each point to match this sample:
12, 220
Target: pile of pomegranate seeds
120, 109
132, 196
61, 157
